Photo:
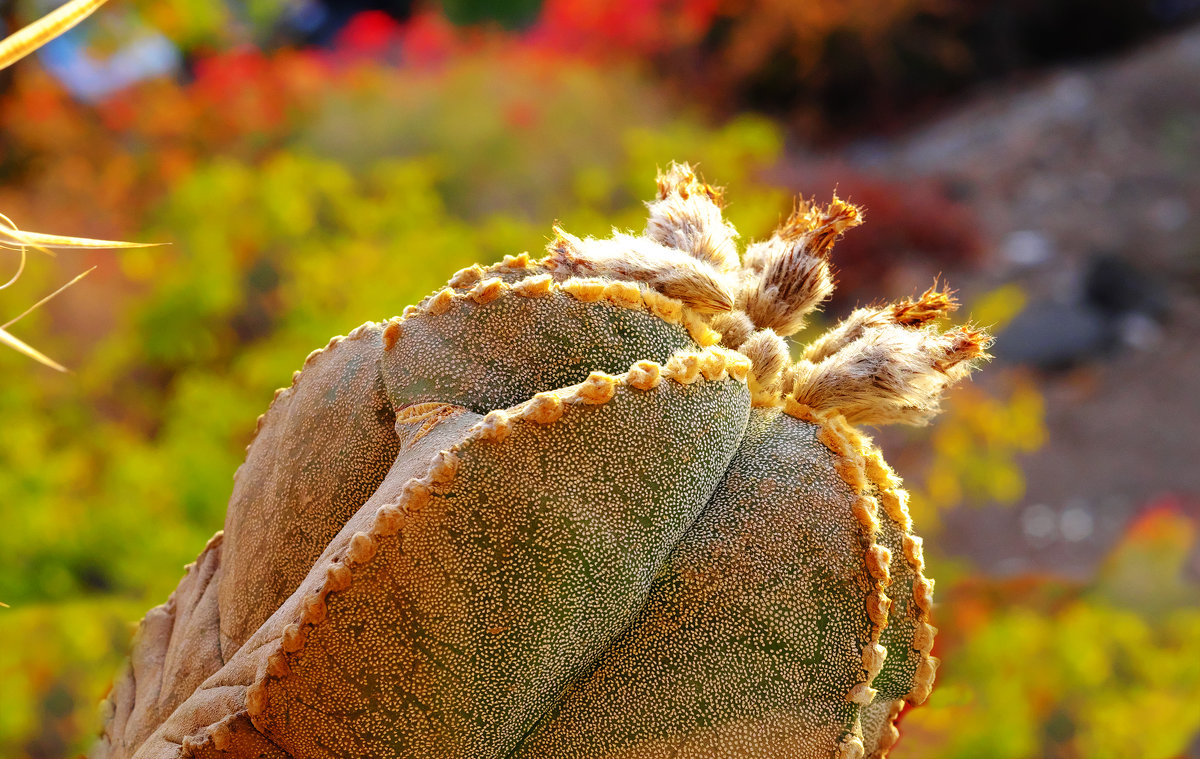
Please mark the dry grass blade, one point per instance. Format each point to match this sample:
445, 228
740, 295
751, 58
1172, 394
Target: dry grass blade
16, 46
12, 49
41, 302
14, 238
21, 347
20, 269
40, 240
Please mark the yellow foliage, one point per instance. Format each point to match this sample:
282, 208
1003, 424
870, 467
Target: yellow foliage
977, 445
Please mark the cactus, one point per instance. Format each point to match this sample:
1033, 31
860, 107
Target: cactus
584, 506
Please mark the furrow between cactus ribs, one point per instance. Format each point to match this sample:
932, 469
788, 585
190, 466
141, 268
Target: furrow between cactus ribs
712, 365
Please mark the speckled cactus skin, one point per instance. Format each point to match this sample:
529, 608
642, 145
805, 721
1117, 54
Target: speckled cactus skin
585, 506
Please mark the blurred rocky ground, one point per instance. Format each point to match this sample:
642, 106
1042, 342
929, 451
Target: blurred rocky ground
1086, 185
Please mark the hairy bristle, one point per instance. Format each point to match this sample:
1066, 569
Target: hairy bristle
686, 216
854, 326
933, 304
791, 285
681, 179
788, 276
891, 374
964, 346
768, 356
735, 328
821, 226
625, 257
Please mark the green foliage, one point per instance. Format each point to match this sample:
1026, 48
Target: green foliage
57, 662
1102, 671
1089, 680
197, 356
977, 448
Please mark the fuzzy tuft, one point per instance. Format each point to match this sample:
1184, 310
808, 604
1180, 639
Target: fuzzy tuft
625, 257
931, 305
686, 216
768, 356
735, 328
788, 276
890, 374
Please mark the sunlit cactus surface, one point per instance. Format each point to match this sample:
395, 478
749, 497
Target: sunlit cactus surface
582, 506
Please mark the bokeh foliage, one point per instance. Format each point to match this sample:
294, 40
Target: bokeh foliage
1104, 669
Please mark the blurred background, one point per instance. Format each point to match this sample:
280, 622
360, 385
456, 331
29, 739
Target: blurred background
315, 164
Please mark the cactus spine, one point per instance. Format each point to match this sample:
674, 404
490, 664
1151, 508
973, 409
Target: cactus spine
585, 506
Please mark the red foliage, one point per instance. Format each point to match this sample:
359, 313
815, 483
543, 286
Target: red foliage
369, 34
907, 220
911, 225
640, 28
428, 39
1161, 517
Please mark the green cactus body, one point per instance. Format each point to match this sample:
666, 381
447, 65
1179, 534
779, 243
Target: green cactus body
767, 588
580, 507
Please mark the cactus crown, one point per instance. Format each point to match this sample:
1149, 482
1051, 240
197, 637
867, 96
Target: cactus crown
584, 506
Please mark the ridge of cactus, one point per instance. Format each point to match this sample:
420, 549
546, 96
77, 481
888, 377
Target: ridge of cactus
913, 607
498, 343
158, 658
234, 735
426, 501
225, 692
581, 506
908, 672
334, 428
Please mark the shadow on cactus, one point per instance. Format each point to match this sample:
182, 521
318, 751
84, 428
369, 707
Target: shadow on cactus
585, 506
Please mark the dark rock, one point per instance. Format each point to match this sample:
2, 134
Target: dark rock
1117, 288
1056, 336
